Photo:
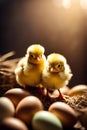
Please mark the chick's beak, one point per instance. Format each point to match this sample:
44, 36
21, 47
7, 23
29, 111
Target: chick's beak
53, 70
38, 59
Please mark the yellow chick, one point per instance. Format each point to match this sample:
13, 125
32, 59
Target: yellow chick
56, 73
30, 67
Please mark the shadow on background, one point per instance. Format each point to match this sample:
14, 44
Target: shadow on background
57, 28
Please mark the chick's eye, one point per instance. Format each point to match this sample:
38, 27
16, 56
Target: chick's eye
31, 56
59, 66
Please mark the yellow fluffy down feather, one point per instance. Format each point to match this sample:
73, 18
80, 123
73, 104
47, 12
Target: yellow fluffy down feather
30, 67
57, 72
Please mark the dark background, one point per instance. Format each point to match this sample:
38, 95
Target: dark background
46, 22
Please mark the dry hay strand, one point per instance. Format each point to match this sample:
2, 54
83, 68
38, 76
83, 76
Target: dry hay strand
7, 76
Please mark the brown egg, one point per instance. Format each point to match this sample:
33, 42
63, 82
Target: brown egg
83, 117
64, 112
7, 108
16, 95
78, 90
63, 90
11, 123
27, 107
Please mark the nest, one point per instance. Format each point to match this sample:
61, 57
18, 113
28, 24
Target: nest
8, 81
7, 76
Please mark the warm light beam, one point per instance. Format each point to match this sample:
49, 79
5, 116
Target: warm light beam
66, 3
57, 3
83, 4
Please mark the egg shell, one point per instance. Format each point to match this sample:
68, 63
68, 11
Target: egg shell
63, 90
16, 95
27, 107
83, 117
7, 108
64, 112
44, 120
77, 90
11, 123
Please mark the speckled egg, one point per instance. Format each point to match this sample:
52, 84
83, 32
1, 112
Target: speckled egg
44, 120
64, 112
27, 107
7, 108
78, 90
11, 123
16, 95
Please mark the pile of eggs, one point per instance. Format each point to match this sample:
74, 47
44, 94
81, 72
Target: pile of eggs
19, 110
